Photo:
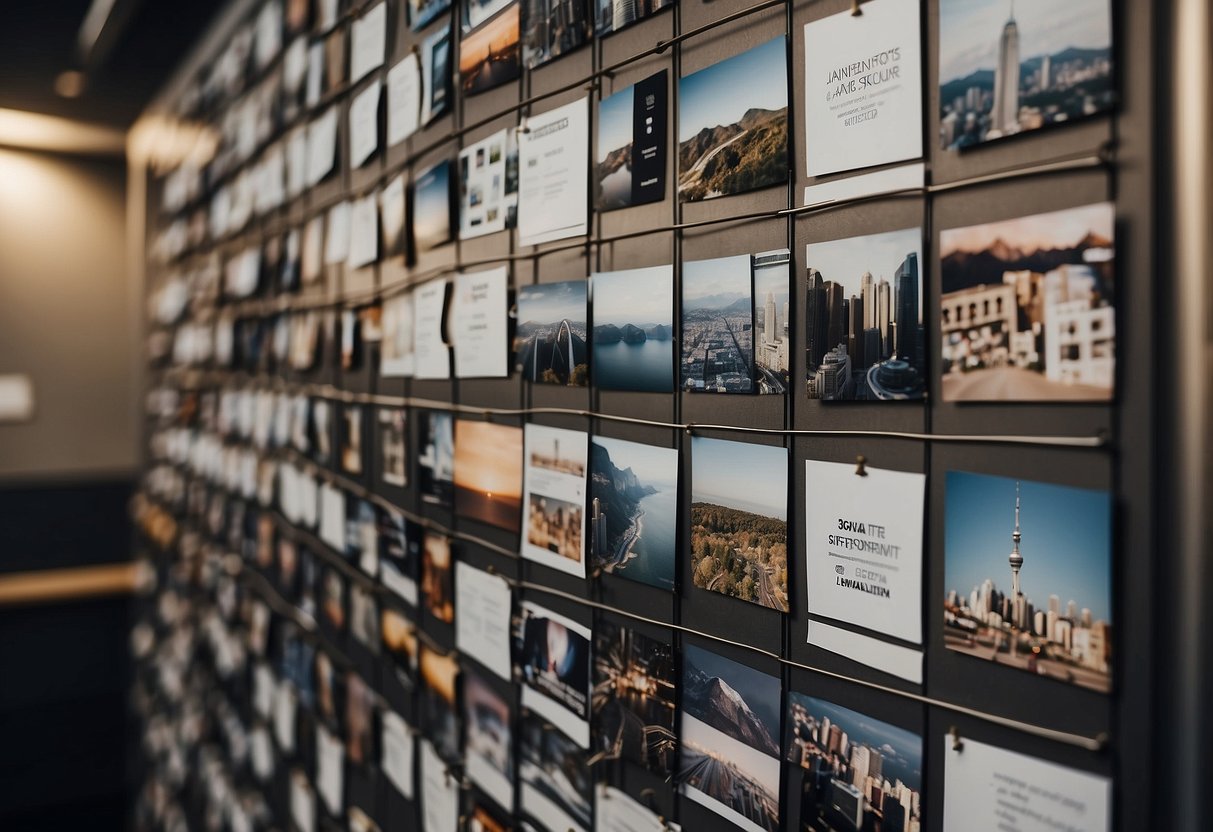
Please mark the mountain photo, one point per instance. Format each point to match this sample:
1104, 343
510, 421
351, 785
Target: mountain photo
733, 125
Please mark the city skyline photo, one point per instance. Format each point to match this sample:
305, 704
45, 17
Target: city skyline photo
717, 353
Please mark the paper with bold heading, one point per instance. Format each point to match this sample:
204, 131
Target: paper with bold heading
330, 769
431, 355
398, 753
553, 500
864, 547
480, 324
986, 787
482, 628
321, 146
368, 42
364, 231
863, 88
403, 99
553, 174
439, 793
616, 811
364, 124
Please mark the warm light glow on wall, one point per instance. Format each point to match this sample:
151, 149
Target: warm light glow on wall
164, 143
39, 132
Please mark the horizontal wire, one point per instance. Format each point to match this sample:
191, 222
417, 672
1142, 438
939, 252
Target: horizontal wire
328, 391
1096, 743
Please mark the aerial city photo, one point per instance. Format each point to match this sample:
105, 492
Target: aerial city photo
860, 774
1028, 577
718, 325
1012, 66
863, 318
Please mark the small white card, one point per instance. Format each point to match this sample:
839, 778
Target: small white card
398, 753
482, 628
321, 146
616, 811
364, 231
431, 355
332, 517
368, 42
439, 793
330, 771
986, 787
364, 124
403, 99
303, 803
480, 324
553, 171
337, 234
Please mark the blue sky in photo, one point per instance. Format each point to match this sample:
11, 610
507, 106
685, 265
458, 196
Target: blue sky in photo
1066, 543
740, 475
969, 30
844, 261
899, 746
547, 303
634, 296
759, 690
615, 122
650, 464
723, 92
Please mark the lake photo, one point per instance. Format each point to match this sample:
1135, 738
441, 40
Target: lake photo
633, 334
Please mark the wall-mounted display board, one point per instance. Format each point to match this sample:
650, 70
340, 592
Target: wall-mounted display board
614, 416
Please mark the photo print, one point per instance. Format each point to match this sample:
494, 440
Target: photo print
362, 535
1027, 308
553, 653
863, 318
364, 617
438, 576
400, 642
739, 520
1010, 69
322, 431
633, 336
488, 473
351, 439
328, 688
440, 716
729, 755
436, 75
554, 29
393, 446
733, 124
421, 12
488, 743
332, 600
550, 339
488, 175
634, 510
772, 341
554, 497
436, 465
432, 207
396, 359
612, 15
1046, 608
557, 786
718, 325
400, 542
859, 773
632, 128
359, 720
492, 55
634, 699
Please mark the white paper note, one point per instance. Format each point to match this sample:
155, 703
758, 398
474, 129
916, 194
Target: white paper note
332, 517
330, 772
553, 174
337, 234
321, 146
618, 812
368, 40
364, 231
439, 793
482, 628
480, 324
364, 124
403, 99
431, 354
398, 753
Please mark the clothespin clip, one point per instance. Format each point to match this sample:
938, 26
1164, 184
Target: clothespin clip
957, 744
861, 466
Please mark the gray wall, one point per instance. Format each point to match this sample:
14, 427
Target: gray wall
66, 315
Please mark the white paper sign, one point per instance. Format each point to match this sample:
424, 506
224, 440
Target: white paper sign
480, 324
330, 772
368, 41
364, 124
321, 146
616, 811
439, 793
403, 99
397, 358
303, 803
986, 787
337, 234
364, 231
332, 517
864, 547
398, 753
431, 355
863, 88
284, 718
553, 500
553, 174
482, 628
